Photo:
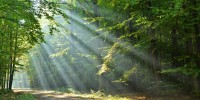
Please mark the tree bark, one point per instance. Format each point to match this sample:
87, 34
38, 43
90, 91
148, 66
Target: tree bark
13, 61
175, 52
154, 56
153, 44
96, 15
95, 10
197, 39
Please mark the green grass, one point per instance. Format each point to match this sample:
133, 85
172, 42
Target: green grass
16, 96
25, 96
100, 95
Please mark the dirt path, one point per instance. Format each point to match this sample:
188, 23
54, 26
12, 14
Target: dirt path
53, 95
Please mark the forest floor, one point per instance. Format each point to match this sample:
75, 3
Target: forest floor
53, 95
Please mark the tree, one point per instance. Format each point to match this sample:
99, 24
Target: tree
20, 29
145, 44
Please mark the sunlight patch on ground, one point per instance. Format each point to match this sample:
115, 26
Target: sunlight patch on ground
92, 96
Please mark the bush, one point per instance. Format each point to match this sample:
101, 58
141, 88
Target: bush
5, 91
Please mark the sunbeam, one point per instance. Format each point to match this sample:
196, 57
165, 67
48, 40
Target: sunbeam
69, 57
99, 49
82, 42
21, 80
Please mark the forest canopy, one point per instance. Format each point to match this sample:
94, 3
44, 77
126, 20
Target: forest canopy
133, 45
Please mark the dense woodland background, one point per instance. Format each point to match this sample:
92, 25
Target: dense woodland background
149, 46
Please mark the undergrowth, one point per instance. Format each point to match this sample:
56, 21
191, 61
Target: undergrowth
10, 95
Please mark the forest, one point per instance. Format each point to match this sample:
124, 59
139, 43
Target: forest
106, 47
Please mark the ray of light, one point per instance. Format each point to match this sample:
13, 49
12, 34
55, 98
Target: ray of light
60, 67
21, 80
81, 39
36, 60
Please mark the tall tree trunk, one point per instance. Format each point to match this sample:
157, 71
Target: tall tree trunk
153, 44
175, 52
131, 30
95, 10
154, 56
10, 61
189, 50
13, 61
1, 62
197, 39
196, 27
96, 15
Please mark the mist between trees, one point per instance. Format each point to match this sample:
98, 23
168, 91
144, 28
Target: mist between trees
122, 46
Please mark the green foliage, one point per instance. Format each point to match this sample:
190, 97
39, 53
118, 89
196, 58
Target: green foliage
103, 95
20, 30
25, 96
5, 91
16, 96
189, 69
99, 93
127, 74
130, 41
67, 90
